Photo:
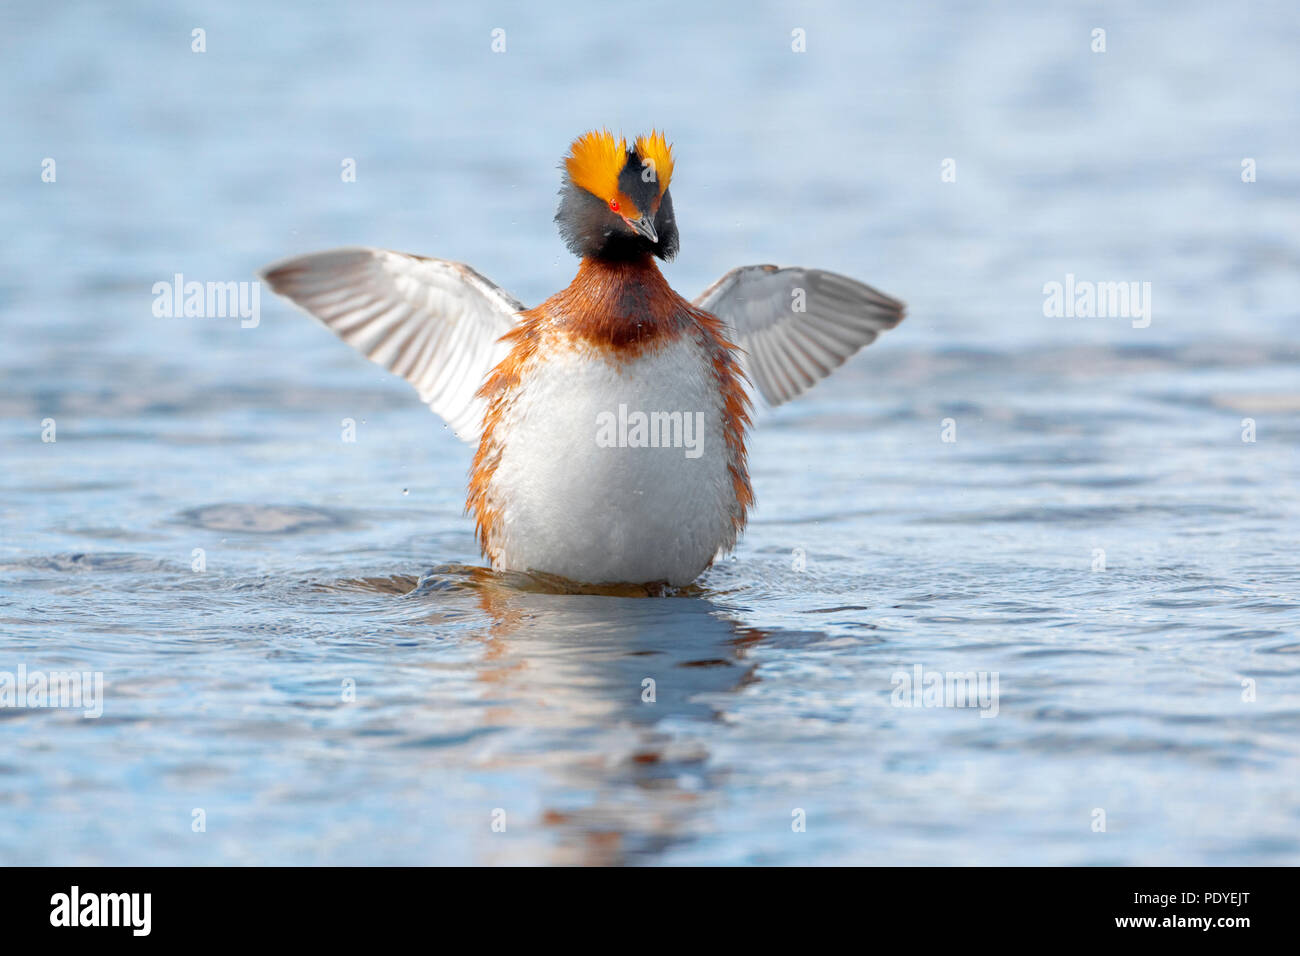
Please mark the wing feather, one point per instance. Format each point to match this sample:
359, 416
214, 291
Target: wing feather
786, 352
437, 324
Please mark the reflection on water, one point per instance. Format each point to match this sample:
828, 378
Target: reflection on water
1112, 531
567, 665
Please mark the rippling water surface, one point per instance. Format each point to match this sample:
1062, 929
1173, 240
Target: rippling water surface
341, 683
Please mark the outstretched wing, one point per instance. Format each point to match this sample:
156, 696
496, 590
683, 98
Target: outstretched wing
797, 325
437, 324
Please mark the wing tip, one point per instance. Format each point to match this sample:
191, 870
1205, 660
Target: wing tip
278, 273
898, 311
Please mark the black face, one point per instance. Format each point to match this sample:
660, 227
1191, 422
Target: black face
592, 230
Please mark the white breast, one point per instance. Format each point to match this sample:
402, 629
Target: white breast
580, 490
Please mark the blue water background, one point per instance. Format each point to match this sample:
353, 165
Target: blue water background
1163, 690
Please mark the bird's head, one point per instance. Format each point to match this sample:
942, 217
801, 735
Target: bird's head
614, 203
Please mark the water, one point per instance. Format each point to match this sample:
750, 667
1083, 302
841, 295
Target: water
1078, 441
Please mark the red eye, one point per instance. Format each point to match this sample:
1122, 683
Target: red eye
613, 205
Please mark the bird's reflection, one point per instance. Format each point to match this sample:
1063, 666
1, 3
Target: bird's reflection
608, 694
